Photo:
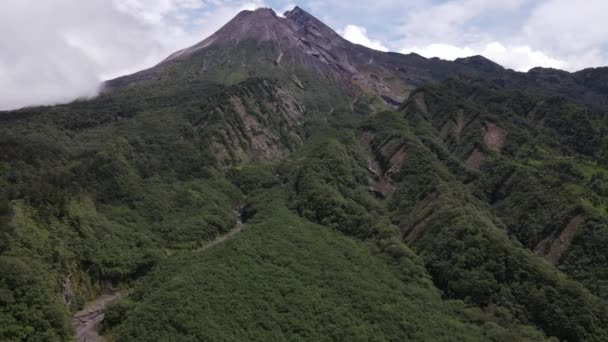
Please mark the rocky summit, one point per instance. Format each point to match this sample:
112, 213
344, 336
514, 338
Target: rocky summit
278, 182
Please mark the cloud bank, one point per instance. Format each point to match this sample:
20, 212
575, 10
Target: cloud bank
55, 51
358, 35
519, 34
516, 57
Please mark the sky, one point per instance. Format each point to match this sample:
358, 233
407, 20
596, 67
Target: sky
54, 51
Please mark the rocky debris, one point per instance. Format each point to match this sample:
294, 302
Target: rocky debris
258, 120
87, 322
494, 137
379, 182
393, 152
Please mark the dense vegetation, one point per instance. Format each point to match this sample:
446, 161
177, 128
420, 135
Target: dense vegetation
86, 208
470, 212
286, 278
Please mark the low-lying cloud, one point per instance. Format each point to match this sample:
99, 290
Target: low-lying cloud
516, 57
358, 35
518, 34
57, 51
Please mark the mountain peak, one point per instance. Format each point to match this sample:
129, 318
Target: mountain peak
298, 29
306, 24
296, 11
300, 40
263, 12
480, 63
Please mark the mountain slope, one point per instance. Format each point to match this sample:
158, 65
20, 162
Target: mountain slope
260, 43
285, 278
298, 41
385, 196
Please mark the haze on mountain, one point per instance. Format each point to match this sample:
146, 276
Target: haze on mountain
278, 182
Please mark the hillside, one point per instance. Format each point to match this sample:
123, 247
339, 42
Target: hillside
379, 196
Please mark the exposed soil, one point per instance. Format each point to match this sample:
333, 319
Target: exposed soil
381, 180
553, 247
378, 182
265, 138
87, 321
397, 160
494, 137
475, 159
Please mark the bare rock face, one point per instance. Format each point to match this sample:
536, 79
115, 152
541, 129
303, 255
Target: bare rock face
298, 35
494, 137
254, 120
304, 41
262, 25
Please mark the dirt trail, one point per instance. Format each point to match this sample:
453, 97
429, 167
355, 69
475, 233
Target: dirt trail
223, 238
88, 320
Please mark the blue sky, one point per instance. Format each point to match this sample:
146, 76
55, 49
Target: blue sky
56, 50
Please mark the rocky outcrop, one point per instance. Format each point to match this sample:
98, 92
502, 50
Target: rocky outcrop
87, 322
383, 164
494, 137
254, 120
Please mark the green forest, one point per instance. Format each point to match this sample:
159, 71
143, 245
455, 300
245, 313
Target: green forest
472, 211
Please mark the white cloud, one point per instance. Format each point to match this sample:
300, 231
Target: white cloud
60, 50
358, 35
521, 57
517, 57
443, 51
575, 30
284, 8
154, 11
452, 20
548, 33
